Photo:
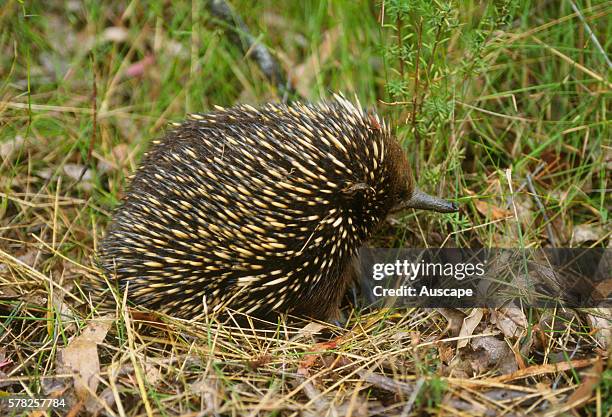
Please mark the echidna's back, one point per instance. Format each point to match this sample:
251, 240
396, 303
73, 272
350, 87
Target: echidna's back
260, 209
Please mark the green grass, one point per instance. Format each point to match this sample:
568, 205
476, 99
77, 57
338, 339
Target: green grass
504, 89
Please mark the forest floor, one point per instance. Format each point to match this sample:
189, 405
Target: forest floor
503, 110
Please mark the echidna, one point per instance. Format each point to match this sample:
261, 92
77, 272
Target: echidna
260, 210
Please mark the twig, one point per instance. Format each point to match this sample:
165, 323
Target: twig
536, 171
549, 368
549, 232
395, 103
410, 403
591, 34
417, 136
400, 45
516, 216
251, 46
386, 383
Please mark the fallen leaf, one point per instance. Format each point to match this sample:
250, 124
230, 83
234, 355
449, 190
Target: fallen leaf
454, 318
310, 358
309, 330
80, 358
587, 233
491, 211
7, 148
152, 375
78, 171
145, 316
601, 321
490, 352
45, 173
510, 320
115, 34
259, 361
446, 353
468, 326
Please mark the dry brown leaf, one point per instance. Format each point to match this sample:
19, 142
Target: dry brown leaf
446, 352
309, 330
587, 233
454, 318
9, 147
115, 34
491, 352
491, 211
602, 290
602, 322
152, 375
311, 358
510, 320
80, 357
468, 326
75, 171
259, 361
146, 316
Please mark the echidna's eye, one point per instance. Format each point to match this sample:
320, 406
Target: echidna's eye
403, 193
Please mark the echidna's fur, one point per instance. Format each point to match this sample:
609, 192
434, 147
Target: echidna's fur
258, 209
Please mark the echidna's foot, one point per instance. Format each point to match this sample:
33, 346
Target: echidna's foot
341, 322
366, 288
354, 297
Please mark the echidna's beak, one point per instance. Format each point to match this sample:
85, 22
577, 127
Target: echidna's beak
421, 200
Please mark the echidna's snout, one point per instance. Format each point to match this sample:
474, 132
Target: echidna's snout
424, 201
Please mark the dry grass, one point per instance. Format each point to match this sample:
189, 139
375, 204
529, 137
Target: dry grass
539, 108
